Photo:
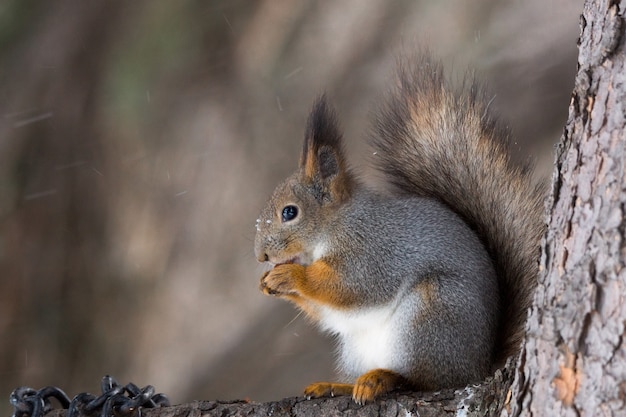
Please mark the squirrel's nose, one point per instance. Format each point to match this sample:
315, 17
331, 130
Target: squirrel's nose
262, 257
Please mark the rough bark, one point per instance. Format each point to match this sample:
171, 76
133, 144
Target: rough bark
574, 360
476, 400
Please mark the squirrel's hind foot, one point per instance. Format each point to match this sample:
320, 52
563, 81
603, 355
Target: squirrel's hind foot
327, 389
368, 387
373, 384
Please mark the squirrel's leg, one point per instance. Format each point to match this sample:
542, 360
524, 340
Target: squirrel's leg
318, 283
375, 383
327, 389
367, 388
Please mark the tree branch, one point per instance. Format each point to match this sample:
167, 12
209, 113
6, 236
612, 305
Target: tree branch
476, 400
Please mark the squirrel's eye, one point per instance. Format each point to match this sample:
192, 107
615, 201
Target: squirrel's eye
289, 213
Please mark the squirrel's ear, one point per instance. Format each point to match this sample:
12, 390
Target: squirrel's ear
322, 158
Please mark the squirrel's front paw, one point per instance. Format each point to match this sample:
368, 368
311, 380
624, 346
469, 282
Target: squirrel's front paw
282, 280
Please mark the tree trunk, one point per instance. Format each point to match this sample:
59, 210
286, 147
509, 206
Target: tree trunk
574, 359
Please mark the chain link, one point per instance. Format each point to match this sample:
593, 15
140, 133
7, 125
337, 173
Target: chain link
116, 400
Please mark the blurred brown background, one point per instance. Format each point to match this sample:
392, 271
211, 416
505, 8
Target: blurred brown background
139, 139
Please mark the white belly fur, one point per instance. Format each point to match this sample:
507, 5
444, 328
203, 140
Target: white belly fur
368, 338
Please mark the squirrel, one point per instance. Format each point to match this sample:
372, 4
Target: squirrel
427, 284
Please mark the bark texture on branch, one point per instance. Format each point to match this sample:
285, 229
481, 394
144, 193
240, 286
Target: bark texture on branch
574, 360
479, 400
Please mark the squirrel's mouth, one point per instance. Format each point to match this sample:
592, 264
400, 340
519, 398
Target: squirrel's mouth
294, 260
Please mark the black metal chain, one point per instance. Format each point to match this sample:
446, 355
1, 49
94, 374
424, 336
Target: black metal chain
116, 400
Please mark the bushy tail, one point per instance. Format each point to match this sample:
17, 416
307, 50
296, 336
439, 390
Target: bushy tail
435, 140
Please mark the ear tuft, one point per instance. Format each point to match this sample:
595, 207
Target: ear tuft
322, 131
322, 164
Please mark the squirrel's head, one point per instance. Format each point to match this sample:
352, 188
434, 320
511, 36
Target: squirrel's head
296, 225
